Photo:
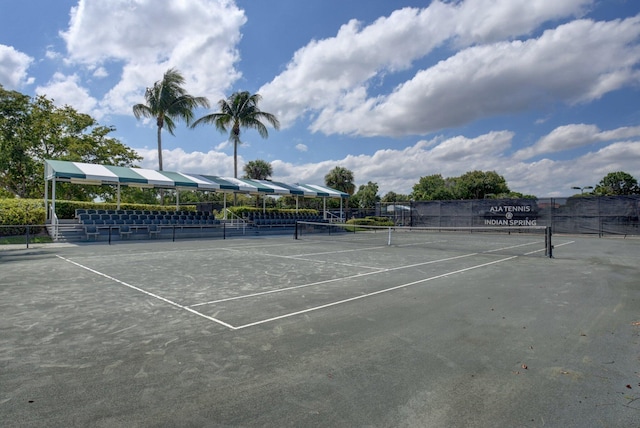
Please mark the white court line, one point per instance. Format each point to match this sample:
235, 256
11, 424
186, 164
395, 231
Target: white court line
360, 275
186, 308
362, 296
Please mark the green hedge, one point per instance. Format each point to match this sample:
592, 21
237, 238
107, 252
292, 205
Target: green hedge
371, 221
19, 212
243, 211
67, 209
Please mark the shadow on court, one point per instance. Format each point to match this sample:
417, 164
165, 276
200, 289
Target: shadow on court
278, 332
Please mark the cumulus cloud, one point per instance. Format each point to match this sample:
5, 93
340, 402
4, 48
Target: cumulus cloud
301, 147
330, 77
67, 90
572, 136
576, 62
211, 162
13, 68
399, 169
148, 37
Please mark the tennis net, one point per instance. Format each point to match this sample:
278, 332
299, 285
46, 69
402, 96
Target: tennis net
511, 240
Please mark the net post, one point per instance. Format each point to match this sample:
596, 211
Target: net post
548, 243
295, 231
389, 240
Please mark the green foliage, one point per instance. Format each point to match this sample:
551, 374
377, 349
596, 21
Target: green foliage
340, 178
617, 183
167, 103
371, 221
471, 185
32, 130
244, 211
239, 111
434, 187
33, 239
392, 197
258, 170
366, 196
368, 221
19, 212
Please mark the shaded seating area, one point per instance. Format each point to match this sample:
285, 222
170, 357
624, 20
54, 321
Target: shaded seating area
140, 222
101, 224
144, 217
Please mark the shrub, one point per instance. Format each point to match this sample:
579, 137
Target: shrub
21, 212
371, 221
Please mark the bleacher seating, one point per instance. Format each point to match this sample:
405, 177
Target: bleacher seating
140, 224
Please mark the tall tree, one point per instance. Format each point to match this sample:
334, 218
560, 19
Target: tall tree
433, 187
32, 130
258, 170
617, 183
167, 101
340, 178
367, 195
479, 184
239, 111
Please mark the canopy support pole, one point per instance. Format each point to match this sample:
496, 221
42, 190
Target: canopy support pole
264, 204
224, 209
46, 194
53, 197
118, 206
324, 206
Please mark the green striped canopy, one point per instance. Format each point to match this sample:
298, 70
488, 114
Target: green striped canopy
85, 173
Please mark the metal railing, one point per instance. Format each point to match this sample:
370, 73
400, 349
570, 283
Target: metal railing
54, 223
233, 220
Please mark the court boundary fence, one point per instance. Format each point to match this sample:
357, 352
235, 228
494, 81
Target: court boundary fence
601, 215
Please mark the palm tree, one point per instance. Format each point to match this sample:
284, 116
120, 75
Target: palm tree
167, 101
238, 111
258, 170
340, 178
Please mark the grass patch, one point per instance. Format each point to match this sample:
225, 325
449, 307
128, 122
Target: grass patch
8, 240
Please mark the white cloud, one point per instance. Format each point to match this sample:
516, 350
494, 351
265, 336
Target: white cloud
13, 68
211, 162
147, 37
576, 62
399, 170
100, 72
301, 147
573, 136
66, 90
331, 75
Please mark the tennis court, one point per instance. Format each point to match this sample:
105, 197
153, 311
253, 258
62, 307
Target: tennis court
445, 330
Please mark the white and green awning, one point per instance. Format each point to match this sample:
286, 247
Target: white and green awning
85, 173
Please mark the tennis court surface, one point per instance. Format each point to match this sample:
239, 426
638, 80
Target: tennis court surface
322, 331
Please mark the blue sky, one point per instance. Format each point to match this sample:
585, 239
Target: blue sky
546, 93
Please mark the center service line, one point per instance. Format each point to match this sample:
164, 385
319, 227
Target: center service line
147, 293
339, 302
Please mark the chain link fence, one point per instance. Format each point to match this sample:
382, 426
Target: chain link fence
605, 215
